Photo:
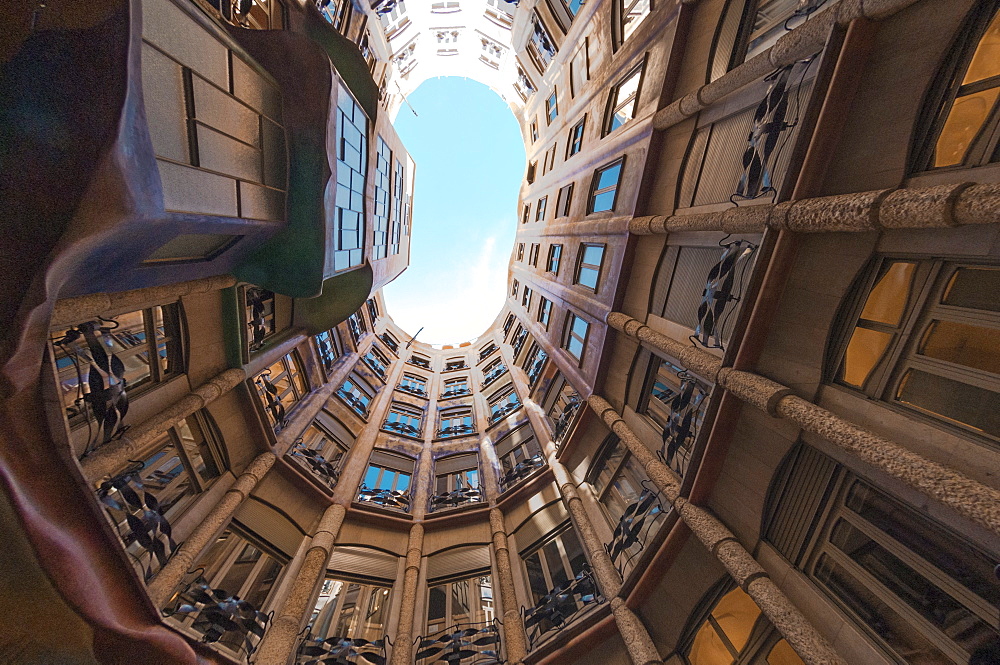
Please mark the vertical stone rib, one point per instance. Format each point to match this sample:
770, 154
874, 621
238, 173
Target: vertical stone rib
402, 646
163, 585
279, 641
513, 624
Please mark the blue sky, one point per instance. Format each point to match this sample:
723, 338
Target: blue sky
470, 162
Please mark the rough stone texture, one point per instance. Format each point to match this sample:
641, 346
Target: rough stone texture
927, 207
513, 623
639, 644
979, 204
969, 498
763, 393
402, 647
805, 40
801, 636
846, 212
691, 357
163, 585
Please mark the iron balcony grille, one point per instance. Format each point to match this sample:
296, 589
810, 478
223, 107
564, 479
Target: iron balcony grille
537, 365
561, 606
635, 528
419, 362
456, 498
327, 471
494, 375
391, 343
258, 324
272, 403
394, 499
413, 390
402, 428
686, 407
326, 353
484, 354
354, 402
456, 392
376, 366
503, 411
454, 366
340, 651
520, 471
719, 299
455, 430
565, 420
463, 644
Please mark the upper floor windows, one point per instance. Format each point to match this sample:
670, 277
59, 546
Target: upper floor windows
494, 370
534, 131
520, 251
387, 481
351, 611
258, 312
523, 85
575, 143
564, 200
533, 255
453, 364
404, 419
395, 20
352, 165
329, 346
256, 14
924, 336
280, 387
356, 324
420, 361
377, 362
456, 473
544, 311
579, 68
559, 559
372, 309
456, 387
540, 209
526, 213
455, 422
390, 341
357, 393
487, 350
499, 11
575, 335
526, 298
604, 189
623, 101
337, 12
413, 384
508, 322
541, 49
551, 107
464, 602
627, 16
555, 255
514, 286
588, 270
503, 402
966, 130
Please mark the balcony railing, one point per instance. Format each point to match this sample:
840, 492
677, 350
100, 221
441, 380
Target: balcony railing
566, 419
402, 428
340, 651
221, 617
450, 367
521, 471
419, 362
685, 413
355, 327
718, 300
494, 375
536, 367
327, 354
456, 392
503, 411
257, 322
391, 343
375, 365
139, 520
463, 644
487, 351
561, 606
635, 528
393, 499
455, 430
456, 498
413, 390
272, 403
354, 402
327, 471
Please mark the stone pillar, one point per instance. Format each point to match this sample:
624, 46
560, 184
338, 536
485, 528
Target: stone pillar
513, 624
162, 586
82, 308
803, 638
279, 641
402, 646
640, 645
115, 455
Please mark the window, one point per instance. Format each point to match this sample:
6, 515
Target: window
127, 338
357, 393
494, 371
456, 387
523, 85
381, 476
526, 213
544, 311
575, 143
555, 254
617, 478
456, 473
280, 387
376, 362
258, 312
534, 131
924, 337
499, 12
383, 186
394, 21
588, 270
666, 382
329, 347
255, 15
540, 209
420, 361
453, 364
445, 7
555, 561
356, 324
520, 251
390, 341
487, 350
350, 610
321, 452
541, 49
455, 422
520, 337
564, 200
508, 322
550, 158
526, 298
604, 190
465, 601
403, 419
551, 108
413, 384
924, 593
400, 208
513, 288
532, 168
561, 403
533, 255
629, 15
337, 12
579, 68
514, 449
352, 164
503, 402
447, 36
575, 337
962, 136
534, 363
623, 101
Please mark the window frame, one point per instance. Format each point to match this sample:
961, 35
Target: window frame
614, 105
569, 334
595, 191
574, 143
555, 255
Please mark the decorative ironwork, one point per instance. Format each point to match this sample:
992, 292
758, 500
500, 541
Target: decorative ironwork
718, 293
768, 124
220, 616
327, 354
143, 517
463, 644
456, 430
805, 9
375, 364
681, 428
355, 327
487, 351
457, 498
521, 471
382, 7
456, 392
413, 390
390, 342
326, 470
519, 340
566, 418
419, 362
271, 401
494, 374
561, 606
257, 321
385, 498
456, 365
402, 428
340, 651
354, 402
634, 527
501, 412
100, 374
536, 367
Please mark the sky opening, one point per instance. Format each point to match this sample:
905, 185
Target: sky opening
470, 161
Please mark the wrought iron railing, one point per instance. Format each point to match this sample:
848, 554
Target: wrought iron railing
327, 354
413, 390
402, 428
355, 327
390, 342
503, 411
340, 651
375, 365
635, 528
719, 294
456, 430
419, 362
518, 342
463, 644
222, 618
487, 351
682, 427
456, 498
100, 374
456, 392
494, 375
257, 322
536, 367
521, 471
272, 402
449, 367
561, 606
395, 499
139, 520
325, 470
354, 402
565, 419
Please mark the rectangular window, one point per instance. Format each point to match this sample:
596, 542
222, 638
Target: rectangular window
555, 254
380, 477
456, 387
532, 168
512, 451
588, 270
419, 361
508, 322
329, 347
554, 562
517, 342
383, 185
534, 363
258, 312
357, 327
623, 101
520, 251
352, 611
338, 13
540, 210
579, 68
630, 15
575, 336
493, 371
503, 403
377, 362
452, 364
390, 340
533, 255
356, 392
322, 445
544, 311
452, 605
604, 190
486, 351
513, 288
403, 419
575, 142
526, 298
551, 108
526, 213
534, 131
455, 422
456, 473
280, 387
352, 164
564, 200
541, 49
413, 384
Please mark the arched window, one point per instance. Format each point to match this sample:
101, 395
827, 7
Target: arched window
966, 131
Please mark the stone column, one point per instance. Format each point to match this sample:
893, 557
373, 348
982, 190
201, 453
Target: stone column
792, 624
115, 455
162, 586
640, 645
279, 641
513, 624
402, 646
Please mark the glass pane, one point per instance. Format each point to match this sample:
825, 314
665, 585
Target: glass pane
976, 407
964, 121
783, 654
536, 578
232, 581
986, 61
972, 346
345, 621
736, 614
864, 352
262, 586
436, 608
974, 288
574, 551
708, 648
371, 477
887, 301
609, 176
460, 601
